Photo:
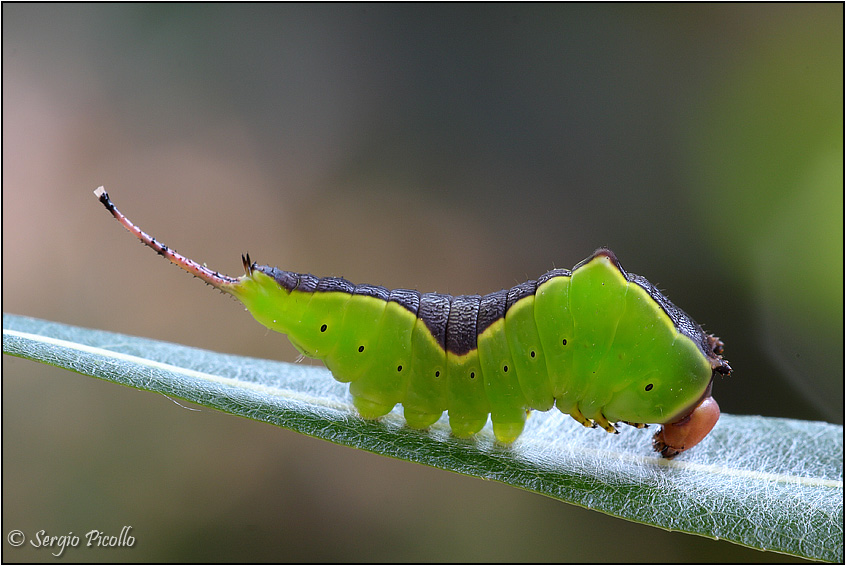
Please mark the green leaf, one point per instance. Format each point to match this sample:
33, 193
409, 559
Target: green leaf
771, 484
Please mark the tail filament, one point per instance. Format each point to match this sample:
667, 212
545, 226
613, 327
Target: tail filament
213, 278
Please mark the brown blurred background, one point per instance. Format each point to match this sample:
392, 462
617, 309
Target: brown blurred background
446, 148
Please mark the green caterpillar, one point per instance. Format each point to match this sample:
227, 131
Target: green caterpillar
601, 344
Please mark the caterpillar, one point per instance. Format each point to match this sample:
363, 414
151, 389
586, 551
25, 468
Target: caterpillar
600, 344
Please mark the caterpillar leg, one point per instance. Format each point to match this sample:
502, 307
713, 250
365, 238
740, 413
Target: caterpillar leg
579, 417
369, 409
419, 420
507, 427
465, 426
675, 438
603, 422
637, 425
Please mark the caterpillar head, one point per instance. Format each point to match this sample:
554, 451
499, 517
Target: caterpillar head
689, 430
675, 438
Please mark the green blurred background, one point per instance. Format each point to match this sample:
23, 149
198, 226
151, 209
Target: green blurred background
448, 148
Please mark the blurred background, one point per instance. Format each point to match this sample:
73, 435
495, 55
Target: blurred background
450, 148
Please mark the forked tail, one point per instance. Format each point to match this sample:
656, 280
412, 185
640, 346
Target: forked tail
213, 278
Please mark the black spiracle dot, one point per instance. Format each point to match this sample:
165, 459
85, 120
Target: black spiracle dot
564, 342
648, 387
472, 375
399, 368
505, 369
323, 328
361, 348
437, 374
533, 353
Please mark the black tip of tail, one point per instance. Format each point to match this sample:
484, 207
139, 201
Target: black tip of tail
103, 197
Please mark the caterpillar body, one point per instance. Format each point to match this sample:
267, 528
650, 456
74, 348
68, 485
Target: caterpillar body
598, 343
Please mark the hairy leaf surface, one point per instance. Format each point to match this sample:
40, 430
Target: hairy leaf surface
767, 483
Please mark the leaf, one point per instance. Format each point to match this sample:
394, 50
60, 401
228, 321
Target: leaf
767, 483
